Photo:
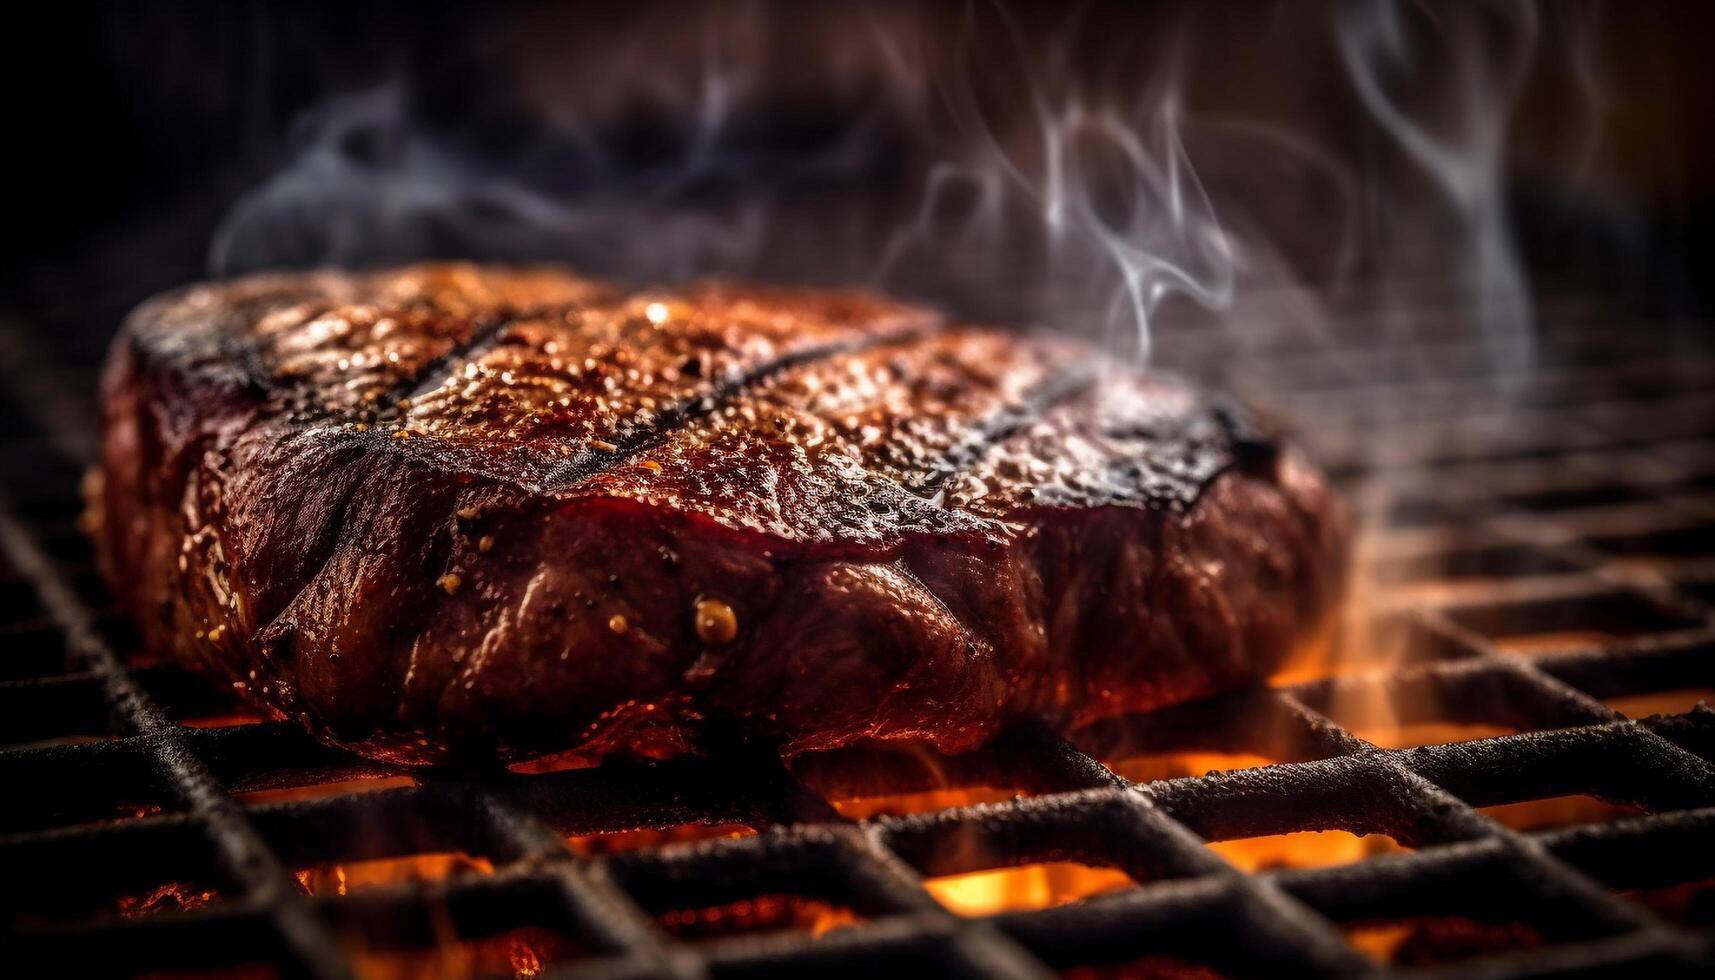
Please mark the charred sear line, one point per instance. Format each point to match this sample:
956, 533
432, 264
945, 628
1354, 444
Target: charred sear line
587, 462
257, 378
302, 398
435, 373
1254, 448
1008, 422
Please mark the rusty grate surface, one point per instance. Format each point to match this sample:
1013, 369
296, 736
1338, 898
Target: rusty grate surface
1536, 625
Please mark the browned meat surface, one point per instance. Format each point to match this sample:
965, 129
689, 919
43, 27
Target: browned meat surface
450, 511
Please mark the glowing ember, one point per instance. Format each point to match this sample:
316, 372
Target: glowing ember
521, 953
551, 763
1661, 702
350, 876
1558, 811
317, 791
174, 896
900, 804
767, 913
1431, 940
127, 811
1692, 903
1030, 886
1149, 768
1413, 734
1303, 849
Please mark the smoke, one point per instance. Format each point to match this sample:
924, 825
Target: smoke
1083, 201
1098, 171
1473, 61
369, 185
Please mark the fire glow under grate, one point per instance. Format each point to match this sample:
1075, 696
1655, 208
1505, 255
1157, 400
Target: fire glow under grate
1532, 624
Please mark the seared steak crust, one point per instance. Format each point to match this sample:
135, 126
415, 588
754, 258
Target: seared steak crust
456, 511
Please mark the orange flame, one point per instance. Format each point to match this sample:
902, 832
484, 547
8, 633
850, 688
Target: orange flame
1661, 702
1558, 811
926, 801
1303, 849
344, 878
1429, 941
1030, 886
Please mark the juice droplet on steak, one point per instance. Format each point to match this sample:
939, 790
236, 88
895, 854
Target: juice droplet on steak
618, 624
717, 624
449, 583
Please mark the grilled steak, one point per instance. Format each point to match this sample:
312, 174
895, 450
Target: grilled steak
450, 511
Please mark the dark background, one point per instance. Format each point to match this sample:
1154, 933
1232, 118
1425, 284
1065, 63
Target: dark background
135, 127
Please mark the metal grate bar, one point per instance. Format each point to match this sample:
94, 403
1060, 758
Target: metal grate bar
243, 856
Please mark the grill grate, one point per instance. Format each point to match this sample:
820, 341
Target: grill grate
1543, 560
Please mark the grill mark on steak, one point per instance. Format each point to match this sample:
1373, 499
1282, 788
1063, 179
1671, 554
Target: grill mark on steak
588, 463
568, 396
324, 345
435, 373
833, 451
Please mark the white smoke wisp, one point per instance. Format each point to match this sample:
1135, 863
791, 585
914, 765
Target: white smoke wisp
1085, 210
1477, 57
367, 185
1112, 213
368, 181
1014, 173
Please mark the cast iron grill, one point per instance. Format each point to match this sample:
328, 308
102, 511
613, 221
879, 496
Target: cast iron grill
1541, 563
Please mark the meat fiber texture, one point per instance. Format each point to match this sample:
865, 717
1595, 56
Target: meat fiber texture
451, 512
